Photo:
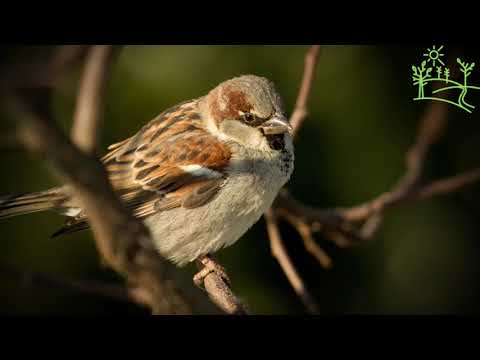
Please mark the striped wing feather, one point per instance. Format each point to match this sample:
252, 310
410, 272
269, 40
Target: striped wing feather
146, 169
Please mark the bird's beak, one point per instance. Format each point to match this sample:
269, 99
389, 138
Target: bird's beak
276, 125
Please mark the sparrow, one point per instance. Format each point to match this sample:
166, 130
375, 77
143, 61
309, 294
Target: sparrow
199, 175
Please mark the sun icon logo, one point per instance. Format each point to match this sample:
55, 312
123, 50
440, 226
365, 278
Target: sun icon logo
434, 55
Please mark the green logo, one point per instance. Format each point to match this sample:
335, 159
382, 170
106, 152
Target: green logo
422, 75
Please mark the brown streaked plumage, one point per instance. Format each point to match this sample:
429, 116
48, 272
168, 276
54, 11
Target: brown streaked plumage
145, 169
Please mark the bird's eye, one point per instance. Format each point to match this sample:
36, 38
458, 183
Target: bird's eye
248, 118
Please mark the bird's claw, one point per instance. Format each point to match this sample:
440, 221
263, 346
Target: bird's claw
209, 266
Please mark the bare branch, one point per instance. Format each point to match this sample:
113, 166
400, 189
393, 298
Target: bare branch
300, 111
280, 253
429, 131
339, 222
221, 294
447, 186
87, 119
330, 219
96, 288
305, 231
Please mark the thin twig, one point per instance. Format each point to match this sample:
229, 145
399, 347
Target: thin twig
280, 253
449, 185
328, 219
300, 111
305, 231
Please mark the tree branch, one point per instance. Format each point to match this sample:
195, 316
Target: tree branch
87, 119
280, 253
430, 130
305, 231
300, 111
340, 224
222, 295
97, 288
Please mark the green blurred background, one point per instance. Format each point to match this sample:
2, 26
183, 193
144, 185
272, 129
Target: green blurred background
423, 260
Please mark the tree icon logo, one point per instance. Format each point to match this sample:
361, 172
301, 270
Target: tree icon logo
422, 76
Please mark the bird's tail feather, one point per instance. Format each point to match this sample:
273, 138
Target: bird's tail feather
14, 205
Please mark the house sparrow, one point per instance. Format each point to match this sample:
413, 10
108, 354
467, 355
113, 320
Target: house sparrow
199, 175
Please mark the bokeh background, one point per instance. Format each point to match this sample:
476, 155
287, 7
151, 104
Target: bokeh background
425, 257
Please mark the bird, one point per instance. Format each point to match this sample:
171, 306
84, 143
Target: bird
199, 175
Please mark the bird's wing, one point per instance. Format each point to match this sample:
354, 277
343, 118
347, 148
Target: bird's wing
171, 162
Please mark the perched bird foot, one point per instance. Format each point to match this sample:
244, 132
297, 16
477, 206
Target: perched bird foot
209, 265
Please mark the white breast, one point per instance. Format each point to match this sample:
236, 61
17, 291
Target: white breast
182, 235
